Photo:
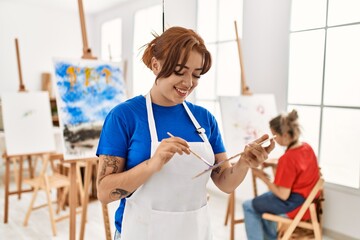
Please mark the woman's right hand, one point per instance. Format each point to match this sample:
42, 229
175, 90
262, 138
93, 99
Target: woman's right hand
166, 150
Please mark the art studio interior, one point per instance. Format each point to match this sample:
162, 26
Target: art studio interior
65, 65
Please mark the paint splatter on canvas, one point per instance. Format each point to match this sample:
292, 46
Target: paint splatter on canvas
86, 91
246, 118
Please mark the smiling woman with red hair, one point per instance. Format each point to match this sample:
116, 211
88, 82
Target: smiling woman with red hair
151, 172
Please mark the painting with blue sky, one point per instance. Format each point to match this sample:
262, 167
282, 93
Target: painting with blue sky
86, 90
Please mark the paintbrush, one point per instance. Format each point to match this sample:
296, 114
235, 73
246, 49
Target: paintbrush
196, 155
226, 160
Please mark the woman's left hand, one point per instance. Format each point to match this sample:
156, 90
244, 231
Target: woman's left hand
255, 154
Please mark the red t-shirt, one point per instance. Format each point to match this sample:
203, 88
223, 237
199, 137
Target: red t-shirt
298, 169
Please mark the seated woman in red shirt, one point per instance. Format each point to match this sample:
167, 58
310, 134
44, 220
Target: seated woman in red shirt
296, 175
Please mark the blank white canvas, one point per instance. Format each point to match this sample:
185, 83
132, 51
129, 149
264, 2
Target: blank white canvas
27, 123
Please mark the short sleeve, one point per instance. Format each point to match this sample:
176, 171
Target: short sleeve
113, 139
285, 172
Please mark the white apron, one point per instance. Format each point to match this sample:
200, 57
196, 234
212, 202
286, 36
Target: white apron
171, 205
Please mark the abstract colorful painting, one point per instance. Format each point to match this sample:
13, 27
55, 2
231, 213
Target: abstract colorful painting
86, 90
246, 118
27, 123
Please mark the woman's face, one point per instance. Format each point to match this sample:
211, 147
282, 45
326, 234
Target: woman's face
174, 89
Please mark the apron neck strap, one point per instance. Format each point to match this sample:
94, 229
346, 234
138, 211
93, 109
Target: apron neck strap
199, 129
151, 121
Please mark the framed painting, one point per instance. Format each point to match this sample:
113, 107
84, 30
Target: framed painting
86, 90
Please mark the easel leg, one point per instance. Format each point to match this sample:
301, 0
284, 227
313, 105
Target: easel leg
228, 213
19, 183
106, 221
85, 201
232, 216
30, 169
7, 182
72, 202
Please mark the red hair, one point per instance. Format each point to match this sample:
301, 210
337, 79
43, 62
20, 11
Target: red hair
173, 44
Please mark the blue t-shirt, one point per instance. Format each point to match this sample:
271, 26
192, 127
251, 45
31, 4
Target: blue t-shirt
126, 133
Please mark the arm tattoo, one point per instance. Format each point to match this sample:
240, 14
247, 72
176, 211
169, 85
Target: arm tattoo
109, 162
217, 170
118, 193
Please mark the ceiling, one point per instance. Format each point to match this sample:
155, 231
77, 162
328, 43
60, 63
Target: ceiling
90, 6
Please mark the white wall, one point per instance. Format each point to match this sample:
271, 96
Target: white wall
43, 33
266, 47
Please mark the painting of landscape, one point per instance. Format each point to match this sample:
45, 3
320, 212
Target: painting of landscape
86, 90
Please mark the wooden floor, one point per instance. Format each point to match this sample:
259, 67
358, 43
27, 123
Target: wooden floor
39, 226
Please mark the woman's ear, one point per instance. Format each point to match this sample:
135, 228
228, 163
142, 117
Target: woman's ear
286, 136
155, 66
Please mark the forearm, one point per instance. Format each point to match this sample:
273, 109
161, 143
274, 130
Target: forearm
280, 192
230, 177
115, 186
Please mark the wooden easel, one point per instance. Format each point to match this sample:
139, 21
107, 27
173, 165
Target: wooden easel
21, 89
230, 212
21, 85
16, 158
86, 50
89, 163
19, 190
245, 90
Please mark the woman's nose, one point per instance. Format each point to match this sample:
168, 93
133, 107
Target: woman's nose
188, 80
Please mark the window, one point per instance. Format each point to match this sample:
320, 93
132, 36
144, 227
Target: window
324, 83
215, 24
111, 40
145, 25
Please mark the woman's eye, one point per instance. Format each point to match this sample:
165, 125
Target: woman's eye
182, 74
178, 73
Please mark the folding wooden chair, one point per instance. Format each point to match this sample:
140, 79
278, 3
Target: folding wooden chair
46, 182
312, 224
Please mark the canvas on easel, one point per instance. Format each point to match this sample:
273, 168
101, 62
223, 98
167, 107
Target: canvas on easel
246, 118
27, 123
86, 90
